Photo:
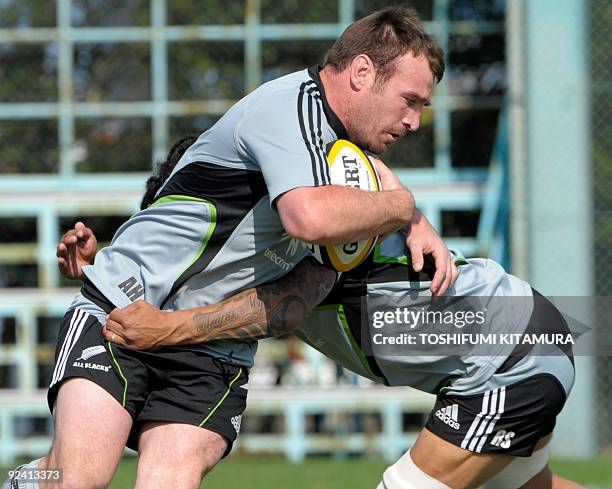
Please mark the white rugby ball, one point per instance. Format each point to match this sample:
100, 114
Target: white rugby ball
348, 166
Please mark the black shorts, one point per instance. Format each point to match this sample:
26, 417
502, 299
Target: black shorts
504, 421
171, 384
508, 420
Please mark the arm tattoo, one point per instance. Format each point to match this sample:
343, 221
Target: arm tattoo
270, 310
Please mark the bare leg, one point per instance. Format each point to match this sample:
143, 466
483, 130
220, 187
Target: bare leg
519, 467
454, 466
176, 455
91, 429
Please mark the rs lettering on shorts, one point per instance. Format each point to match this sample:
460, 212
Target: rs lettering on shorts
503, 439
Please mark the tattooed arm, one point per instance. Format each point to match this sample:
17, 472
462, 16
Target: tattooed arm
269, 310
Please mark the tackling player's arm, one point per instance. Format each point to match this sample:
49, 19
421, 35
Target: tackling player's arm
267, 311
76, 248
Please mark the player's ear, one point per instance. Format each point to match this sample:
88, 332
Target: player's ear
362, 72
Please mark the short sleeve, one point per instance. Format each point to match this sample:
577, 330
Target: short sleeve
284, 135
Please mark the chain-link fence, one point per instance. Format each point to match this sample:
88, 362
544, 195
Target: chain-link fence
601, 101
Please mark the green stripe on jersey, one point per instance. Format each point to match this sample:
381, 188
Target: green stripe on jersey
209, 231
211, 227
347, 330
179, 198
405, 260
380, 258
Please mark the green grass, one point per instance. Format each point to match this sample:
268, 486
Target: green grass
275, 473
340, 474
595, 472
325, 473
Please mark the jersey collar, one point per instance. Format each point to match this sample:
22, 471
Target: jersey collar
334, 121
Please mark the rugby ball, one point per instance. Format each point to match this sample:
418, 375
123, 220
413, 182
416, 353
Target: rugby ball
348, 166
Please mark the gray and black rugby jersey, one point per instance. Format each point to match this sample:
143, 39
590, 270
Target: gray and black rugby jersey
342, 327
212, 230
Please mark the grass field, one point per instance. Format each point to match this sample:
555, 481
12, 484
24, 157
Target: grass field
240, 473
324, 473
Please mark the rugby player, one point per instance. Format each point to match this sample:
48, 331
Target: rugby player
494, 413
252, 182
481, 398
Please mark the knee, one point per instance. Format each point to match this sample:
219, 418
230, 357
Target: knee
77, 479
184, 468
79, 475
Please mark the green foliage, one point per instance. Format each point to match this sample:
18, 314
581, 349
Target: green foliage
28, 73
298, 11
28, 146
94, 13
112, 72
114, 145
215, 12
282, 57
206, 70
423, 7
27, 13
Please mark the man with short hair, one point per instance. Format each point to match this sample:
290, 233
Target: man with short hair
254, 180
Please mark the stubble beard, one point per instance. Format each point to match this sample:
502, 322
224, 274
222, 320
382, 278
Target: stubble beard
361, 132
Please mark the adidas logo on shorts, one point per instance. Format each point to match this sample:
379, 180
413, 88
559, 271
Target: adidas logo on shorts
449, 415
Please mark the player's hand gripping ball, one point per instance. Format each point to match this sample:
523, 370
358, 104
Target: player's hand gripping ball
348, 166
